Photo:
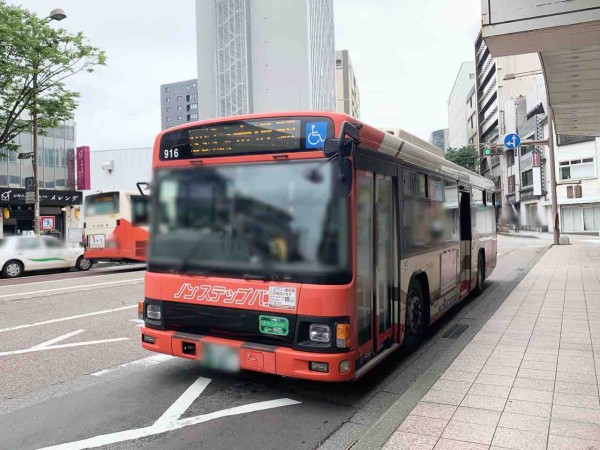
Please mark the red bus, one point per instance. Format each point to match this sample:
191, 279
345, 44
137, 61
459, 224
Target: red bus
116, 226
308, 245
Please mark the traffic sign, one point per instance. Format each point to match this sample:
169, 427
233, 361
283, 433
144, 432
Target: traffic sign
29, 197
512, 141
47, 223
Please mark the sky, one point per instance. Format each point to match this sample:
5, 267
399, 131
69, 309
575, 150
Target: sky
406, 55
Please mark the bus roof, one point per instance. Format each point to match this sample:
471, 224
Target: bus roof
405, 146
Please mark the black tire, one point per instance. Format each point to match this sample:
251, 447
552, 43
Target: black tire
415, 317
83, 264
480, 275
12, 269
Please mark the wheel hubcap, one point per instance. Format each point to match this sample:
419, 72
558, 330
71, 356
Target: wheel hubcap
85, 263
13, 270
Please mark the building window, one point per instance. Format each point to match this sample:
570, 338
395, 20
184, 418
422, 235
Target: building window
168, 109
168, 119
576, 168
527, 178
167, 90
179, 108
191, 97
179, 117
192, 107
179, 98
193, 116
510, 158
193, 85
168, 100
338, 63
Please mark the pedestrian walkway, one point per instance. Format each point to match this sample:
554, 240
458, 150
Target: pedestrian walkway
529, 378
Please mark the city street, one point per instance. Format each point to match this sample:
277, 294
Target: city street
70, 346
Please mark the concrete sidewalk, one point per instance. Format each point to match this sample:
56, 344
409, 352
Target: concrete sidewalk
529, 378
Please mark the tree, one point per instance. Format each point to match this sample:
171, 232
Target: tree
466, 157
35, 60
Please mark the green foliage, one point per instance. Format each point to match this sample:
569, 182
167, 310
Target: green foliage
467, 157
31, 48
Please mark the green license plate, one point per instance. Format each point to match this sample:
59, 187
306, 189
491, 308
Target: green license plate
279, 326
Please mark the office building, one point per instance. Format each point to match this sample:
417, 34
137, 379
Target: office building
493, 90
56, 175
439, 138
348, 96
471, 105
264, 56
178, 103
457, 106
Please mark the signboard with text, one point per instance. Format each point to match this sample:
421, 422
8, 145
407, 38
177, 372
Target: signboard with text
83, 168
47, 197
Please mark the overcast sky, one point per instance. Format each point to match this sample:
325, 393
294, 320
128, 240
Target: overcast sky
405, 53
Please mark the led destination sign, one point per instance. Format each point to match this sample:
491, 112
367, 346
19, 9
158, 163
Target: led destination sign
245, 137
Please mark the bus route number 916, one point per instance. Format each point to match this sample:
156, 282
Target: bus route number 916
171, 153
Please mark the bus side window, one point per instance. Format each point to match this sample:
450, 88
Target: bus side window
139, 213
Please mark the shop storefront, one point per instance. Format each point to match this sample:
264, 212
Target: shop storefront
17, 215
581, 218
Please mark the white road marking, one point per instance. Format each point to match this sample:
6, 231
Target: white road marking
79, 287
49, 344
63, 319
149, 361
169, 421
57, 339
185, 400
94, 274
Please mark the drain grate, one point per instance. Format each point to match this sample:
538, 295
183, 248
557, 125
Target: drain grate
455, 331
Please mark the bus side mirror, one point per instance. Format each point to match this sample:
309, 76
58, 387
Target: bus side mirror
332, 147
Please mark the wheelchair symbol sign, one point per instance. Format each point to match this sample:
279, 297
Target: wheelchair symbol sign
315, 134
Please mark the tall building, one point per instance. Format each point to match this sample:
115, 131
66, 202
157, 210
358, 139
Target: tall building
178, 103
263, 56
471, 104
348, 97
493, 89
56, 175
457, 105
439, 138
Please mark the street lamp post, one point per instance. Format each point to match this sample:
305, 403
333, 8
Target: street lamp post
56, 14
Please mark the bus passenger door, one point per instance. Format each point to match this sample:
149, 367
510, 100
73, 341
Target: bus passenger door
465, 241
385, 245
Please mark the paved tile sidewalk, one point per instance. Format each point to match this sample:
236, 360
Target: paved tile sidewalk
529, 379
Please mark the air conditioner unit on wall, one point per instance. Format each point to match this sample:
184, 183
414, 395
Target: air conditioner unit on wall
109, 166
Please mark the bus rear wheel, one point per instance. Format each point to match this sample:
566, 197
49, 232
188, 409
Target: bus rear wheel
415, 318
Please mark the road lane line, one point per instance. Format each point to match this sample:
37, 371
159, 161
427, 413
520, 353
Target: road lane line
56, 347
149, 361
25, 280
169, 421
185, 400
57, 339
63, 319
68, 288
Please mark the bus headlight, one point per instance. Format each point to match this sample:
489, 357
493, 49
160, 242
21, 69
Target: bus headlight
319, 333
153, 312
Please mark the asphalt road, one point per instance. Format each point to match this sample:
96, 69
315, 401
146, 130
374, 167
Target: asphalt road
75, 374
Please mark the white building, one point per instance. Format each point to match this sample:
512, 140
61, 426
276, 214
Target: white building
119, 169
458, 133
578, 161
259, 56
348, 96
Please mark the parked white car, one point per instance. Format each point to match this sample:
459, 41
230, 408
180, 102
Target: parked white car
20, 254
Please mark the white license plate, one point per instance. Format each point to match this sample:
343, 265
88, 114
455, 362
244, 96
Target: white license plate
220, 357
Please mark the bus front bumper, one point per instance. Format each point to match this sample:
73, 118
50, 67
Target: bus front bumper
271, 359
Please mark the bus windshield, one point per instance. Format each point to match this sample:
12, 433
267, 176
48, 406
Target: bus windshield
275, 221
99, 204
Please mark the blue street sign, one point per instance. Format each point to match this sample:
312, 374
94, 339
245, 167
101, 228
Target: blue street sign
512, 141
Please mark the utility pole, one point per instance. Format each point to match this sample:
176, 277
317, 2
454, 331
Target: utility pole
553, 193
34, 160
